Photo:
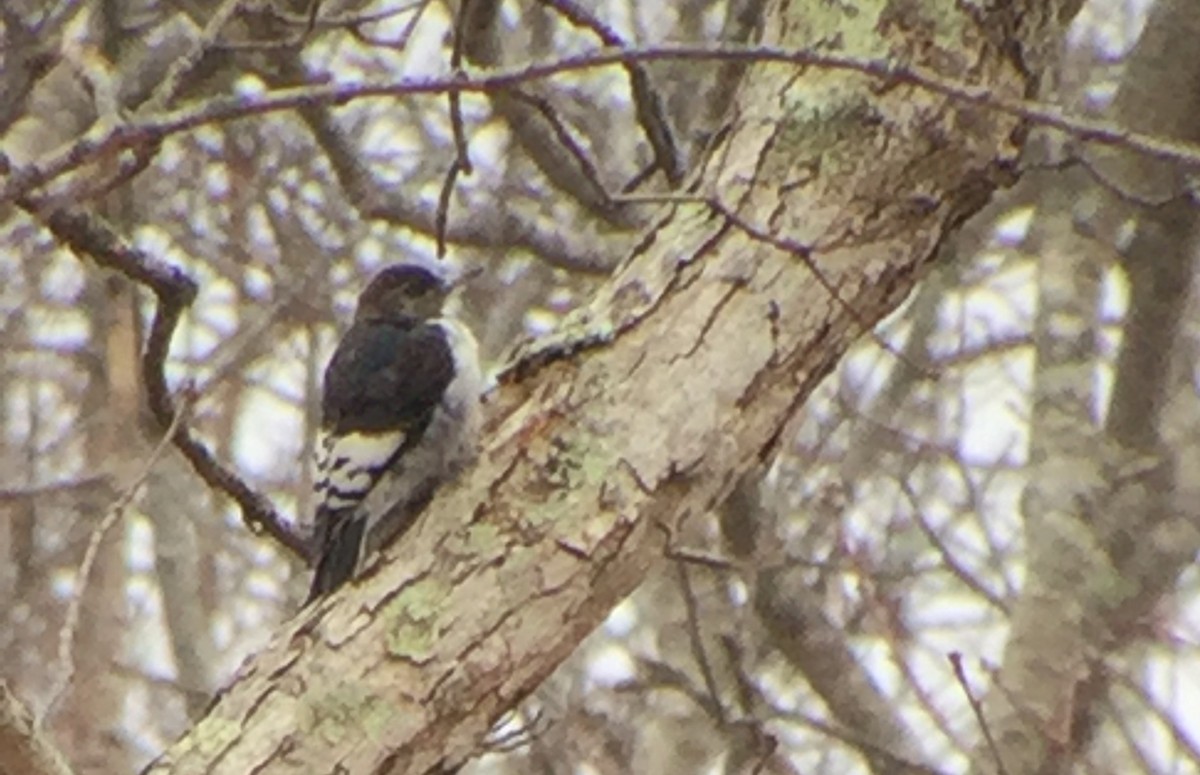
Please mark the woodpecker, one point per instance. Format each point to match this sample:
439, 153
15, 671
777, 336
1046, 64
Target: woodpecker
400, 415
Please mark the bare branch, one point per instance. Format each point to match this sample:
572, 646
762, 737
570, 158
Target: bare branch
557, 247
24, 747
66, 635
174, 292
184, 65
462, 156
52, 489
977, 709
696, 640
651, 115
531, 129
103, 141
28, 56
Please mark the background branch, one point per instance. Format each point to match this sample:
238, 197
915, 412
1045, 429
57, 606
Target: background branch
173, 292
23, 747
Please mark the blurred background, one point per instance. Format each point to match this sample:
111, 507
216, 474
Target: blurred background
902, 558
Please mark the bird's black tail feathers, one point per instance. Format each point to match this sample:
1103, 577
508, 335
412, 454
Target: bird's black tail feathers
339, 556
343, 548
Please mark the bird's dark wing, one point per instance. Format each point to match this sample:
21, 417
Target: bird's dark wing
382, 386
386, 376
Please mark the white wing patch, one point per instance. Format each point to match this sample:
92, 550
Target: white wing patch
348, 465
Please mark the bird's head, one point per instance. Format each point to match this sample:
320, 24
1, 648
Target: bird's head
403, 290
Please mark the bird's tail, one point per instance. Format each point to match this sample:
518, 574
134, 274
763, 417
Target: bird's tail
339, 557
347, 541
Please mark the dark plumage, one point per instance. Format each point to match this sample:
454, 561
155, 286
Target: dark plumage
386, 374
399, 401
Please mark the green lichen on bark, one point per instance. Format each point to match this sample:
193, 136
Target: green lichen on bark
350, 707
212, 735
409, 617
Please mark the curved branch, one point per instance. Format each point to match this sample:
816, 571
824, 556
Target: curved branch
174, 292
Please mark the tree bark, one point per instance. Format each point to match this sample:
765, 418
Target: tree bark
706, 341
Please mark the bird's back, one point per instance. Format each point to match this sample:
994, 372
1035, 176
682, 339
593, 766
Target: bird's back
400, 415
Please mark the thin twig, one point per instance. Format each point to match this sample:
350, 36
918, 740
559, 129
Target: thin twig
310, 23
401, 42
563, 135
456, 66
66, 635
976, 708
486, 228
699, 653
168, 89
655, 674
507, 741
955, 567
313, 20
51, 489
462, 156
55, 20
442, 216
701, 559
889, 761
647, 103
105, 140
637, 180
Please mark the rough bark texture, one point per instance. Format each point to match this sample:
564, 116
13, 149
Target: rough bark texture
712, 339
